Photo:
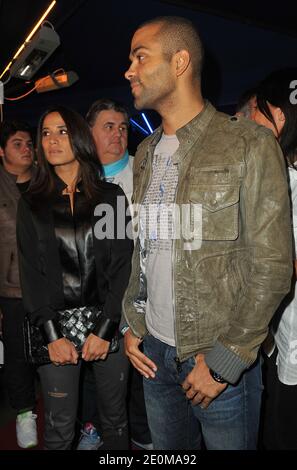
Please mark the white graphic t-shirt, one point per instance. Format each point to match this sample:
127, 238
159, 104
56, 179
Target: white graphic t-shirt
156, 232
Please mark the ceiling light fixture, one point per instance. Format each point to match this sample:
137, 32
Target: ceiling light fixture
25, 43
56, 80
38, 50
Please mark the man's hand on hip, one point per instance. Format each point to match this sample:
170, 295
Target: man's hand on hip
199, 385
139, 360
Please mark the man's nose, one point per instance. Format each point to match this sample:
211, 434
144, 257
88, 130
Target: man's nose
129, 73
27, 148
118, 131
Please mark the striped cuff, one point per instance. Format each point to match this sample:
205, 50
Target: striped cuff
225, 363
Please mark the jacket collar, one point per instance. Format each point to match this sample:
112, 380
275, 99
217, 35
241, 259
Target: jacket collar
191, 131
197, 126
61, 185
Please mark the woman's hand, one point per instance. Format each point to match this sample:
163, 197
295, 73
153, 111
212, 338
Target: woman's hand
62, 352
95, 348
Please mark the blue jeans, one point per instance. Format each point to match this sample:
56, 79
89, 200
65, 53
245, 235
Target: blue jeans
229, 423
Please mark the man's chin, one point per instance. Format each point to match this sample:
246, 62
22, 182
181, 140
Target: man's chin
142, 102
138, 104
26, 163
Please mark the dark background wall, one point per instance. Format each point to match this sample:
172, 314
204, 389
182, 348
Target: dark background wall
243, 41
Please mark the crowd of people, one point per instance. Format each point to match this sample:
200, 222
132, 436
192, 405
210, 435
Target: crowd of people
187, 250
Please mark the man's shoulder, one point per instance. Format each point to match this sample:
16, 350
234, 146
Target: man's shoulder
238, 126
8, 188
5, 176
129, 167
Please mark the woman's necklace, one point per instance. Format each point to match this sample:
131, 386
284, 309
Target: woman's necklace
69, 190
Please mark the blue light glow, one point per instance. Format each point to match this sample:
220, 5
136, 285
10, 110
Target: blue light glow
144, 131
147, 123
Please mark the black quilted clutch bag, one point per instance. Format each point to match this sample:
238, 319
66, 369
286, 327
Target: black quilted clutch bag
75, 324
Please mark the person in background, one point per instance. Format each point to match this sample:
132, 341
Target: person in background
247, 104
276, 109
71, 256
109, 123
212, 260
16, 164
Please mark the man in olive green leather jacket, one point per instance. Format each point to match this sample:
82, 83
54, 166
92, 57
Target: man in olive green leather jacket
202, 305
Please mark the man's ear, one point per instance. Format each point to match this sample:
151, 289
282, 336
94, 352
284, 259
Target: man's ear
182, 61
1, 152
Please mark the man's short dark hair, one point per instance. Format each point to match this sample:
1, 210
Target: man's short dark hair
9, 128
178, 33
105, 104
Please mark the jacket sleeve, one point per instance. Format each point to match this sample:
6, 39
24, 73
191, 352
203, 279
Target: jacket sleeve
266, 276
118, 269
34, 284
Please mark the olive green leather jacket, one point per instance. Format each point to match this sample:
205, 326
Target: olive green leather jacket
225, 292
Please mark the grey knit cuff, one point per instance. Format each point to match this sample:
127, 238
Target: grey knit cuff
225, 362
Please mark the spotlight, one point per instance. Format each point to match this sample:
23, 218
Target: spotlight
38, 50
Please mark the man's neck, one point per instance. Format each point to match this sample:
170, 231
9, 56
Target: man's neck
185, 103
113, 168
180, 116
110, 158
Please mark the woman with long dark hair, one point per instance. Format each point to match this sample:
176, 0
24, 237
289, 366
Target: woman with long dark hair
277, 110
72, 257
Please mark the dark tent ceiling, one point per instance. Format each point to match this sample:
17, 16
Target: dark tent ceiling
243, 40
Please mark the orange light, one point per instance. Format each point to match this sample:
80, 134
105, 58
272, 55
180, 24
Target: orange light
30, 36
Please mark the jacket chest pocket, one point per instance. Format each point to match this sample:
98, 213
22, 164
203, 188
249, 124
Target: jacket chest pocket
220, 210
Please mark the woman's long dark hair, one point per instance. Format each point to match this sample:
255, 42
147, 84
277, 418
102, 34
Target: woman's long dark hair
277, 90
84, 150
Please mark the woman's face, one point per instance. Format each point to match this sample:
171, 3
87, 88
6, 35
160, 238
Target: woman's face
277, 115
55, 141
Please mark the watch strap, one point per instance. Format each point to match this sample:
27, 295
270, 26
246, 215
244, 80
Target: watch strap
217, 377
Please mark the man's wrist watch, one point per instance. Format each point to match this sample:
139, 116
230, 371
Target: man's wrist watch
217, 377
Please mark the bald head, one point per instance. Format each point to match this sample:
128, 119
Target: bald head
176, 34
